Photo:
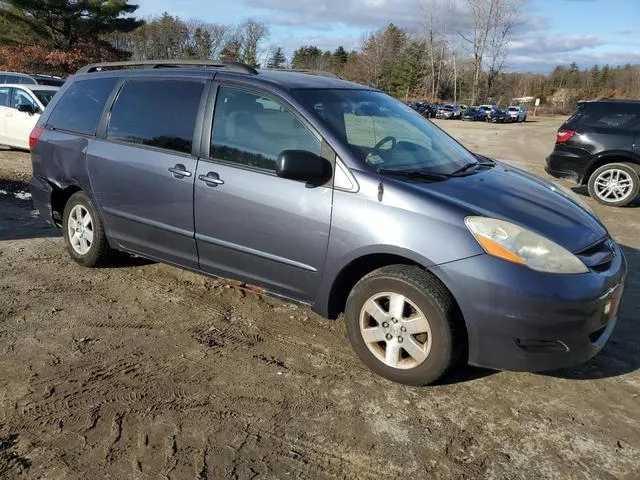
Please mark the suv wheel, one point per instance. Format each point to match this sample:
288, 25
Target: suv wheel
615, 184
84, 234
402, 323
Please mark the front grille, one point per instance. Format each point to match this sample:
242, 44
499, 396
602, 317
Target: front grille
599, 256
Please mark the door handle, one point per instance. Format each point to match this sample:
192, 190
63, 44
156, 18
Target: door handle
9, 114
180, 171
212, 179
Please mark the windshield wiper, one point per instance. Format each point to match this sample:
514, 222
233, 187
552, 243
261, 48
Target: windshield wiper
464, 168
423, 174
471, 165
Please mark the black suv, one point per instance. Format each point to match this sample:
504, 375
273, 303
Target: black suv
599, 146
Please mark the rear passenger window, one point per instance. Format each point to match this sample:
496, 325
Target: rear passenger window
250, 129
157, 113
4, 96
81, 106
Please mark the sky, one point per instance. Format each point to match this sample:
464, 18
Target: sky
552, 32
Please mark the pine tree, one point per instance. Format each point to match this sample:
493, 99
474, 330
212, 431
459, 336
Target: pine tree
341, 55
277, 60
64, 24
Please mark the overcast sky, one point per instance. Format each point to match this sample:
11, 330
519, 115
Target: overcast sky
554, 31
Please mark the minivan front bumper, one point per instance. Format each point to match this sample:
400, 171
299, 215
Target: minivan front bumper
522, 320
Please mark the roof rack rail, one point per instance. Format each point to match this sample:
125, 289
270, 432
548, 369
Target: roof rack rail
236, 67
320, 73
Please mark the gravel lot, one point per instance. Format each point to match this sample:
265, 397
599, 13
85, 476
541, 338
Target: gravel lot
147, 371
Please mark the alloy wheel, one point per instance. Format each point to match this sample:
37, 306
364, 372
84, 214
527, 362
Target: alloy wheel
80, 229
613, 185
395, 330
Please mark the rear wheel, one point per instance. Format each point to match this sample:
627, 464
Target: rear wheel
403, 324
615, 184
84, 233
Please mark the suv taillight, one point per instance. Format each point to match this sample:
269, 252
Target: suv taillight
564, 135
34, 137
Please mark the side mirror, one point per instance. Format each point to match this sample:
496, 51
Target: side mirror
303, 166
26, 108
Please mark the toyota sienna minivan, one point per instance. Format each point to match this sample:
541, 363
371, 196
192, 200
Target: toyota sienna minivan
333, 195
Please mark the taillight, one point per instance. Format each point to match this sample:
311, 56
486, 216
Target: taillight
564, 135
34, 137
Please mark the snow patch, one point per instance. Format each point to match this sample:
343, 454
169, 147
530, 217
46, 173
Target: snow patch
23, 195
3, 192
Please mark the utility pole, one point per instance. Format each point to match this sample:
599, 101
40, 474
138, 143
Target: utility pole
455, 80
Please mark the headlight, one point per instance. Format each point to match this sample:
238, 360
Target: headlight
518, 245
573, 196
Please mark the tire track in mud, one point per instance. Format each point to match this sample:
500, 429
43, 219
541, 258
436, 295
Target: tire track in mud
93, 398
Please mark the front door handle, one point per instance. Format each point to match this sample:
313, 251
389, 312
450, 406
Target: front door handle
212, 179
9, 114
180, 171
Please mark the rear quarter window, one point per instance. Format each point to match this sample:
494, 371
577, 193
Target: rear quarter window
622, 120
80, 108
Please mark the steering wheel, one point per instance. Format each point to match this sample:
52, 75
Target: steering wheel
391, 139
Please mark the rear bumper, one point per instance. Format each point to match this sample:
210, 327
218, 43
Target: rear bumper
566, 165
521, 320
41, 197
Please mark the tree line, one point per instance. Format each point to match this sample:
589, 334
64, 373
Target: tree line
459, 54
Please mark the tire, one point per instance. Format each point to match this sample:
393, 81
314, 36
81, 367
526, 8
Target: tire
438, 341
615, 184
91, 248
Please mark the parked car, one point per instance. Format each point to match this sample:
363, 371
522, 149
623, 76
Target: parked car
473, 114
599, 146
432, 252
486, 111
28, 79
517, 114
20, 109
449, 112
499, 116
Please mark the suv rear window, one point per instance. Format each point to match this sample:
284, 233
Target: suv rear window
81, 106
157, 113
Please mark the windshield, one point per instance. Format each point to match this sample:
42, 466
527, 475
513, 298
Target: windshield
513, 109
44, 96
383, 133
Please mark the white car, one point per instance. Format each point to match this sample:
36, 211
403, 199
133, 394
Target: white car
517, 114
20, 109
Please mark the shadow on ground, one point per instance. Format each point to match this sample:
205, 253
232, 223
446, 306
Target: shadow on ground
18, 220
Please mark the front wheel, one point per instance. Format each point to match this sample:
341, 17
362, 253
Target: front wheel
404, 325
615, 184
84, 234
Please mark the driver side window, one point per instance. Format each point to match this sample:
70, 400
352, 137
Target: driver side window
251, 129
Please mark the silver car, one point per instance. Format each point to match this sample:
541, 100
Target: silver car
517, 114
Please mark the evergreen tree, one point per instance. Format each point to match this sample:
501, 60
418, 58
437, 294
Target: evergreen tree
64, 24
341, 56
277, 60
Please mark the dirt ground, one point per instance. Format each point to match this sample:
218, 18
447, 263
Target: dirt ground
146, 371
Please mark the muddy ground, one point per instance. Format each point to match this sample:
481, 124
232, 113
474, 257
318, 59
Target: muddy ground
146, 371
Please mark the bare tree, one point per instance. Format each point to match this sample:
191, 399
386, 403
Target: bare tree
252, 34
506, 17
487, 31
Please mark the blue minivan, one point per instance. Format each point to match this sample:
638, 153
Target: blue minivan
333, 195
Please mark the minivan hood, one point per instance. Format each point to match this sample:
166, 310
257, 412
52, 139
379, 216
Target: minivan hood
508, 193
